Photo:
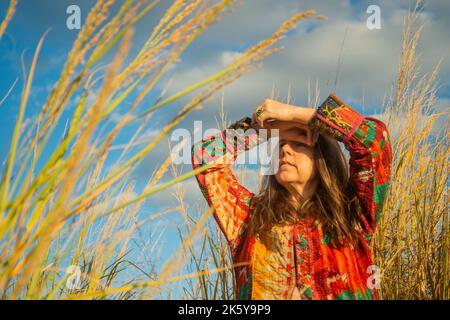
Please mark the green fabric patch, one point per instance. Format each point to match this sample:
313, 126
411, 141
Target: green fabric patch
366, 138
369, 294
326, 238
380, 192
247, 201
361, 296
377, 215
345, 295
303, 244
245, 289
379, 195
207, 142
358, 295
307, 292
367, 236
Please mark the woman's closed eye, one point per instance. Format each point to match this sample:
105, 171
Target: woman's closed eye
295, 144
299, 144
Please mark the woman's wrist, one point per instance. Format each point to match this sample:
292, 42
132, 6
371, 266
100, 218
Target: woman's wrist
303, 115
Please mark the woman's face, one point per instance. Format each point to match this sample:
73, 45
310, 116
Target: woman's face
296, 158
296, 163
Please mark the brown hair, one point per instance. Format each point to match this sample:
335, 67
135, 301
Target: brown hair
334, 206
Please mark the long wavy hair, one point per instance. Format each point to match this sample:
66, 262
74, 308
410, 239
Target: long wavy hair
334, 206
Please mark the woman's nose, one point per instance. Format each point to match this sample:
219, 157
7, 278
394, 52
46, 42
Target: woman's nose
286, 149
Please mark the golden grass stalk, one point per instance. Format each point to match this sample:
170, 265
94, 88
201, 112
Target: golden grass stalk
8, 17
412, 243
68, 204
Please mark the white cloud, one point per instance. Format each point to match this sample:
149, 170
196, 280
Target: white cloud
368, 67
369, 60
227, 57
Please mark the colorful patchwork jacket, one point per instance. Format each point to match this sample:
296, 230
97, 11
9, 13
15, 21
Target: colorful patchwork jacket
299, 256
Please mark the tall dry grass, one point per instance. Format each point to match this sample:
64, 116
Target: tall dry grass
8, 16
65, 207
413, 238
412, 242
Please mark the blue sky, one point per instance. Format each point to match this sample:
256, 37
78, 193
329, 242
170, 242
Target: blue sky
368, 66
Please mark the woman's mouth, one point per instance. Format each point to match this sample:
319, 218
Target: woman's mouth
285, 162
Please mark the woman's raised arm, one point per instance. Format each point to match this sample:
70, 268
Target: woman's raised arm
367, 140
221, 189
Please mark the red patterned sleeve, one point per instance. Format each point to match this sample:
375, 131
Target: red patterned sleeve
221, 189
367, 140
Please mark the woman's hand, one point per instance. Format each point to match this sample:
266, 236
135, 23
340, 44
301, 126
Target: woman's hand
271, 110
292, 121
294, 131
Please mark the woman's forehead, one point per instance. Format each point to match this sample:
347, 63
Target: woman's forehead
293, 131
292, 135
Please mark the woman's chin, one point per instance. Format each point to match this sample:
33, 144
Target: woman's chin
284, 177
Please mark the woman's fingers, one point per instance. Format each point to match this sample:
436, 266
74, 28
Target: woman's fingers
304, 135
315, 136
264, 118
275, 124
259, 115
271, 115
254, 120
290, 130
292, 134
293, 137
286, 125
310, 137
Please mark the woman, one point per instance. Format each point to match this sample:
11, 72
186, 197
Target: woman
307, 235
